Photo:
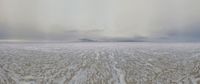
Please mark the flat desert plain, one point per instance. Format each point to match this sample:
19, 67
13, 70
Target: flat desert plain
100, 63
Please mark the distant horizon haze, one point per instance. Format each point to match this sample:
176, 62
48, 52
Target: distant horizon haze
100, 20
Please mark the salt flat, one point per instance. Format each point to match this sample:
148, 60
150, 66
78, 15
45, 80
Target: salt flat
99, 63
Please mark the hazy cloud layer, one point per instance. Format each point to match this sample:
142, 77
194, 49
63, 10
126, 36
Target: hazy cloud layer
100, 20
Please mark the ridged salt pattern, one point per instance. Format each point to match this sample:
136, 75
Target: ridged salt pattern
99, 63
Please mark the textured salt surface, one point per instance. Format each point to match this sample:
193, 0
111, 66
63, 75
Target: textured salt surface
99, 63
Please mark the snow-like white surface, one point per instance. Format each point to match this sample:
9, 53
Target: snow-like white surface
99, 63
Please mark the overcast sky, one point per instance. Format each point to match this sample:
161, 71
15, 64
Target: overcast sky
108, 20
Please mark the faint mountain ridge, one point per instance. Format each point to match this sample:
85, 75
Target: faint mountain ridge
87, 40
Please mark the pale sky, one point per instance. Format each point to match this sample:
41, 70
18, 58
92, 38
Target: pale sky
108, 20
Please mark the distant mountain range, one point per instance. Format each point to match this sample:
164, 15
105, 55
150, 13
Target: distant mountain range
87, 40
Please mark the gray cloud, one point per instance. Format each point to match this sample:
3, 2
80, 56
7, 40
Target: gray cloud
100, 20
